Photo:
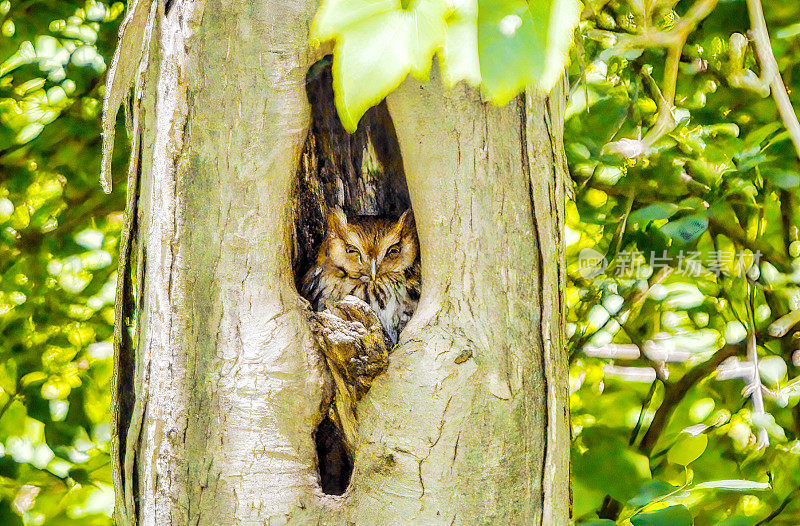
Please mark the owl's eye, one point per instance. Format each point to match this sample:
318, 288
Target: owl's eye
394, 250
351, 250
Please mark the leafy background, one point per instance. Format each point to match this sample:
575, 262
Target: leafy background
697, 242
58, 246
682, 256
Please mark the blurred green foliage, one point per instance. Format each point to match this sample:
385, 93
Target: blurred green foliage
682, 248
58, 245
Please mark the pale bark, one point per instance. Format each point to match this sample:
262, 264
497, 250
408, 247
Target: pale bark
469, 423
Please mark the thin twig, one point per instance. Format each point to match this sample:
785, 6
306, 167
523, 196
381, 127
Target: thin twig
770, 72
780, 508
673, 41
757, 394
665, 121
645, 406
754, 388
675, 392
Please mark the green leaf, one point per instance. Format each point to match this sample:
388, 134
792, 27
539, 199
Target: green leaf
736, 520
426, 33
672, 516
622, 478
587, 496
8, 377
650, 492
337, 16
369, 63
378, 43
523, 44
506, 30
33, 378
12, 420
687, 449
783, 179
653, 212
506, 45
734, 485
559, 17
686, 229
759, 135
460, 51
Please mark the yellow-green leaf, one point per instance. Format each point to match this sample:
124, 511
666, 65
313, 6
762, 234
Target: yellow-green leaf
687, 449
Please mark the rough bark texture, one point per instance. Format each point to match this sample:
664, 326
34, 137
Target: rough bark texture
467, 426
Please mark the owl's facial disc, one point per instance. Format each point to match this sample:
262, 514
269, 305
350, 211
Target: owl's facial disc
371, 250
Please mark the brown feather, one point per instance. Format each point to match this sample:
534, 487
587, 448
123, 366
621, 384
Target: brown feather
373, 258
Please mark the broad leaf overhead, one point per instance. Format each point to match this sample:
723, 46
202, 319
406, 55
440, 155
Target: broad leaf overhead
501, 45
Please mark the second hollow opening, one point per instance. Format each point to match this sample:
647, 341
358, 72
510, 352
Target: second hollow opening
334, 461
354, 234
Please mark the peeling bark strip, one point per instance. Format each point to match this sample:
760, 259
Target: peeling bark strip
547, 189
127, 80
124, 74
468, 423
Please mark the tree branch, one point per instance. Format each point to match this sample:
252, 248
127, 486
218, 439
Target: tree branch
770, 72
674, 393
754, 388
673, 41
731, 230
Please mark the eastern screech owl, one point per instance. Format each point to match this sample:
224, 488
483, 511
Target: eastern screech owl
375, 259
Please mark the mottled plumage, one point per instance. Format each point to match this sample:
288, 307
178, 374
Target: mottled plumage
375, 259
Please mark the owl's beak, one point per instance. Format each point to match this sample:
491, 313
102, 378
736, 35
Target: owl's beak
373, 269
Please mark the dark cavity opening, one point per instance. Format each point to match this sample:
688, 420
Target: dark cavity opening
335, 462
360, 173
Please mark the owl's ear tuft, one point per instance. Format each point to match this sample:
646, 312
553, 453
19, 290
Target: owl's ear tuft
337, 222
406, 221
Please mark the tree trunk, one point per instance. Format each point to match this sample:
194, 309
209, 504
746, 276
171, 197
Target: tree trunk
221, 392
